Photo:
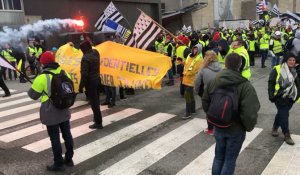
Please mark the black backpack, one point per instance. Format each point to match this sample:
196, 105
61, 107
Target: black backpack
288, 46
223, 107
62, 90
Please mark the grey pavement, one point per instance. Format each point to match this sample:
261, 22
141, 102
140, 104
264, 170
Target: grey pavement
145, 152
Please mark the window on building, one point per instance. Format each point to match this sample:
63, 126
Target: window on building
10, 4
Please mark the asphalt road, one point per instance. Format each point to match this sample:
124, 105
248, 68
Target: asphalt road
142, 135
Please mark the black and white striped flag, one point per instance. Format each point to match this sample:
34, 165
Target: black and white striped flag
275, 10
259, 10
144, 33
111, 12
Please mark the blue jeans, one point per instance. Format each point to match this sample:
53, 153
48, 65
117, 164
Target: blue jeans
282, 117
275, 61
53, 132
228, 146
264, 55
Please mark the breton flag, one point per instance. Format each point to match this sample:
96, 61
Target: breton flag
259, 10
113, 26
144, 33
111, 12
5, 63
275, 10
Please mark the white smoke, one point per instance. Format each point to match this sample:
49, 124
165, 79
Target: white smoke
44, 27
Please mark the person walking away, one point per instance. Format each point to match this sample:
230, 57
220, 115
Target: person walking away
275, 48
251, 50
211, 67
191, 68
56, 120
4, 87
90, 80
229, 139
223, 51
264, 46
283, 90
238, 48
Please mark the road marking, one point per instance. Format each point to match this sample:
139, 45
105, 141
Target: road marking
203, 163
286, 160
151, 153
11, 90
44, 144
30, 117
40, 127
19, 109
14, 96
94, 148
11, 103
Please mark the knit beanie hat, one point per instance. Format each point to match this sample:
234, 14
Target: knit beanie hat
233, 61
47, 58
85, 46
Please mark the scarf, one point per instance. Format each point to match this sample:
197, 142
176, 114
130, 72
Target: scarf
287, 82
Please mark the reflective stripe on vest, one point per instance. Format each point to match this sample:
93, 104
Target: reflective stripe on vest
264, 44
38, 51
246, 70
277, 87
31, 51
166, 49
159, 46
277, 48
221, 60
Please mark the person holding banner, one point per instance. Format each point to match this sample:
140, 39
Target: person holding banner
90, 80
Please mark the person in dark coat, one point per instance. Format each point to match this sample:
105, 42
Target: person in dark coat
4, 88
90, 80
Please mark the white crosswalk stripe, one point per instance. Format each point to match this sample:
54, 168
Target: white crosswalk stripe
11, 90
286, 160
148, 155
14, 96
81, 130
143, 158
92, 149
202, 164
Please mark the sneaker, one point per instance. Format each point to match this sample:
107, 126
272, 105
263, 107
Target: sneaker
186, 117
208, 131
96, 126
275, 132
104, 103
288, 139
6, 95
68, 162
55, 168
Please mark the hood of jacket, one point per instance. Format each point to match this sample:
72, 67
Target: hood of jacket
215, 66
199, 49
297, 34
229, 77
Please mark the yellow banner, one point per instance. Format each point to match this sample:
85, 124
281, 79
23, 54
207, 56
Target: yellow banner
119, 65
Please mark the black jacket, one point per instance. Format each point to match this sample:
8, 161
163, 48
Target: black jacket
90, 67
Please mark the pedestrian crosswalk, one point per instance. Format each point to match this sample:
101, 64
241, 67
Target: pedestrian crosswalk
18, 126
11, 90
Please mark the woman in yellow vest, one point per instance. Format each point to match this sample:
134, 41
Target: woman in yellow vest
283, 90
7, 53
191, 68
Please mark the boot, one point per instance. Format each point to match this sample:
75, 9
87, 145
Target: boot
275, 132
288, 139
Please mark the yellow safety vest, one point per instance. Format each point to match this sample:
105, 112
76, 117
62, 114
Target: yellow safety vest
159, 46
252, 45
277, 47
264, 44
7, 55
221, 59
197, 58
180, 52
166, 49
246, 70
31, 51
277, 86
38, 52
